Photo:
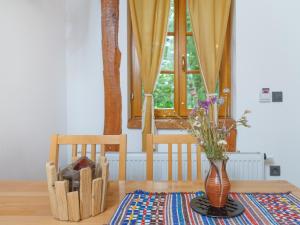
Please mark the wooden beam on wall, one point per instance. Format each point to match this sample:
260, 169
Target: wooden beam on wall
111, 62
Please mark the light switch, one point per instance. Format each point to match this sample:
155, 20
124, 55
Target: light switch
277, 96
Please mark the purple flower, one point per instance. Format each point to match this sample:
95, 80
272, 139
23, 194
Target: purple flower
213, 99
204, 104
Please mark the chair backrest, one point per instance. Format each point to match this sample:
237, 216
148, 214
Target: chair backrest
179, 139
93, 141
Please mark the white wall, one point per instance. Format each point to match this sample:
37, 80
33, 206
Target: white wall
84, 67
267, 55
32, 86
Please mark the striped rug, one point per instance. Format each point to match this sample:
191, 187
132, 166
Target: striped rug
174, 208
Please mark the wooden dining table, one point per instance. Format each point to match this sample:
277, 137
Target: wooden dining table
26, 202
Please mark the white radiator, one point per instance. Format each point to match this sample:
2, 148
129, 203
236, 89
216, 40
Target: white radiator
241, 166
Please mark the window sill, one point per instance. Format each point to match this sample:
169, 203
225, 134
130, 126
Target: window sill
167, 123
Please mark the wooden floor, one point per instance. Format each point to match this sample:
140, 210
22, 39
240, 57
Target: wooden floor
27, 202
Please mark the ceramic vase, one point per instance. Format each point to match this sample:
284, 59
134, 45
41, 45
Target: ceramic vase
217, 185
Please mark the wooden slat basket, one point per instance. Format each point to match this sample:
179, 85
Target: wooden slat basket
86, 194
77, 205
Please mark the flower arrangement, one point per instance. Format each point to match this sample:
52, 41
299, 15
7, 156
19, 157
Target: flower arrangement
212, 135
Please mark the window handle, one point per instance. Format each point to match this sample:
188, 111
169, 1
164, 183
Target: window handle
183, 63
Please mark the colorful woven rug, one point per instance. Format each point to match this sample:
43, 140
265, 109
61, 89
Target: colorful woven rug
174, 208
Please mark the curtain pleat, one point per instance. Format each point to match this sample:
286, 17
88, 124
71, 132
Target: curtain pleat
209, 20
149, 24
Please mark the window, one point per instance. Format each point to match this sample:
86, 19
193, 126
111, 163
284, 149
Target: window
179, 73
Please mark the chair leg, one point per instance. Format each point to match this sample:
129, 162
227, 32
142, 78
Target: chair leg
149, 163
122, 158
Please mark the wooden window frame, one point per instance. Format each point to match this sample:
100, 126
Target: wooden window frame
167, 119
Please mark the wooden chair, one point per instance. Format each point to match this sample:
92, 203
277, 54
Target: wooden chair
93, 140
170, 140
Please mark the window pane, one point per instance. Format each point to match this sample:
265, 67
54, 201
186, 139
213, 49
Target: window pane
164, 92
171, 17
195, 89
168, 56
192, 58
188, 19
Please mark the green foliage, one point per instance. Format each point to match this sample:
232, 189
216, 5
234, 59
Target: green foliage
164, 92
168, 55
171, 17
191, 53
188, 19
